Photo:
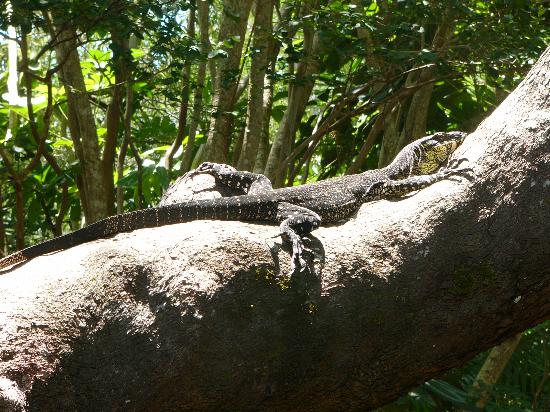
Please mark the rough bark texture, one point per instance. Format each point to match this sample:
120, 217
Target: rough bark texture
200, 316
416, 112
203, 13
184, 104
232, 27
82, 126
298, 96
254, 127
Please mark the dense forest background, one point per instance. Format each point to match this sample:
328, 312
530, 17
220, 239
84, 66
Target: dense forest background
104, 103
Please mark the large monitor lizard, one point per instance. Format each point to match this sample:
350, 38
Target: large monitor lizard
298, 209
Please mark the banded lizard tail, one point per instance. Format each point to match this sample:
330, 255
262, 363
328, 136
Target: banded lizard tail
298, 209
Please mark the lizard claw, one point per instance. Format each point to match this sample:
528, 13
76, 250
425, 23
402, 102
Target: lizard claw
454, 163
453, 169
297, 250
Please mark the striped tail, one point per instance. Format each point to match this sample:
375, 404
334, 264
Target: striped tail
13, 259
247, 208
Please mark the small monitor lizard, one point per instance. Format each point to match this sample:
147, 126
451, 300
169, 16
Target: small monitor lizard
298, 209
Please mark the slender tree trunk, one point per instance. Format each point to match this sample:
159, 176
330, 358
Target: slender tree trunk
237, 147
417, 112
298, 96
273, 53
233, 25
203, 12
63, 209
263, 145
378, 64
3, 249
127, 131
374, 132
255, 117
492, 369
19, 176
19, 215
184, 104
113, 116
81, 124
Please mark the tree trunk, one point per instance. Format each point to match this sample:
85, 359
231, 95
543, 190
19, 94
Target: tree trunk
203, 316
298, 97
492, 369
82, 125
232, 30
124, 147
255, 118
273, 52
203, 12
416, 119
3, 249
114, 111
184, 104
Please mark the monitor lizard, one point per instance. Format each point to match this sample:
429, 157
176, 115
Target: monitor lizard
297, 209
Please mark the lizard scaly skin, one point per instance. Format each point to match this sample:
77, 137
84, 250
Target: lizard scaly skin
298, 209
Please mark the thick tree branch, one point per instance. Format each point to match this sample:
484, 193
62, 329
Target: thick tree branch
201, 316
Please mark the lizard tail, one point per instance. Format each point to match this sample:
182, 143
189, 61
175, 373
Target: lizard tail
12, 259
53, 245
229, 208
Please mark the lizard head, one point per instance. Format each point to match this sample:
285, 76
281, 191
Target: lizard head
433, 151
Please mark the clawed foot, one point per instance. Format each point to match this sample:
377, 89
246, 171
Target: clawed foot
298, 263
453, 168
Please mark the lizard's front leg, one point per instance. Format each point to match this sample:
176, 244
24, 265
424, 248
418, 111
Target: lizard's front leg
251, 183
296, 221
410, 184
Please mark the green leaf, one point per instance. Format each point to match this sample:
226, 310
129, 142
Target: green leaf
137, 86
101, 131
99, 55
372, 9
137, 53
278, 112
130, 180
231, 41
149, 152
62, 142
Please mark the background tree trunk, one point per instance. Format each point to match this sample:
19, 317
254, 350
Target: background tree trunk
184, 104
298, 95
82, 126
232, 30
398, 132
203, 12
202, 315
114, 114
127, 135
255, 118
492, 369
